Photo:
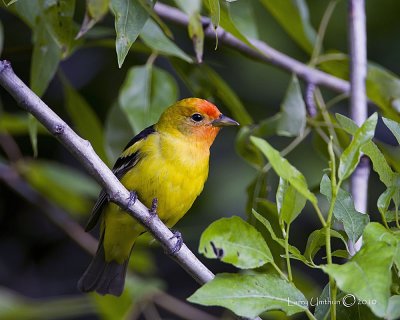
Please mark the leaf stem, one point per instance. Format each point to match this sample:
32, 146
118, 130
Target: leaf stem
279, 271
310, 315
289, 267
384, 221
292, 145
325, 115
151, 59
396, 212
319, 213
335, 188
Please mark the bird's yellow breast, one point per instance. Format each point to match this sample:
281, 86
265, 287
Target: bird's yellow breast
171, 169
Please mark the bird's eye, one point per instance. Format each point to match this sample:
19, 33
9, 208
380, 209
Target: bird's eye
197, 117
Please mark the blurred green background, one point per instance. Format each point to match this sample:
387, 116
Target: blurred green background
40, 264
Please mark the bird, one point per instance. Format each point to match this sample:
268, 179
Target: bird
165, 166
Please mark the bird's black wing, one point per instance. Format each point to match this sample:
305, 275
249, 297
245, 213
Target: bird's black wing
121, 166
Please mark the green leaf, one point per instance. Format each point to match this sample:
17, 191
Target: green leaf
367, 275
130, 18
391, 153
393, 309
196, 33
195, 28
95, 11
347, 124
249, 295
225, 21
290, 203
383, 86
45, 58
293, 16
146, 92
353, 221
351, 155
293, 250
58, 16
97, 8
63, 185
84, 119
189, 6
33, 132
375, 232
394, 127
384, 200
344, 254
117, 132
153, 37
243, 15
27, 10
293, 111
284, 169
380, 165
215, 12
234, 241
316, 240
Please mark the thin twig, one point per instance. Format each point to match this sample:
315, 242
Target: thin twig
260, 50
358, 101
321, 31
84, 152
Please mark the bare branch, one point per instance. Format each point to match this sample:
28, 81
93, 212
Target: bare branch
261, 51
358, 101
84, 152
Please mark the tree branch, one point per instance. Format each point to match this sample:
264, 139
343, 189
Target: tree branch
84, 152
358, 101
261, 50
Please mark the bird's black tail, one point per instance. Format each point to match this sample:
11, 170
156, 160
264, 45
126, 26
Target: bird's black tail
103, 277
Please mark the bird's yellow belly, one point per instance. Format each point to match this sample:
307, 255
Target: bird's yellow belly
174, 178
175, 187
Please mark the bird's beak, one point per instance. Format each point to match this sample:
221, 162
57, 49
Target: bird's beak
224, 121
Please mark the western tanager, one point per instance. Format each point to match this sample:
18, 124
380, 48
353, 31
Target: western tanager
167, 161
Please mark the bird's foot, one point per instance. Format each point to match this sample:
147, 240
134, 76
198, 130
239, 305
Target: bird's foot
132, 198
153, 209
179, 241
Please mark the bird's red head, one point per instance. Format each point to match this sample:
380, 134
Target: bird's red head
194, 118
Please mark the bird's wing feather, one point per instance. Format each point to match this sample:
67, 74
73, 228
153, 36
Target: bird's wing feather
124, 163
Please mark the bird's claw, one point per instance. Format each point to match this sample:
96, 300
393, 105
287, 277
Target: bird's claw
132, 198
179, 241
153, 209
